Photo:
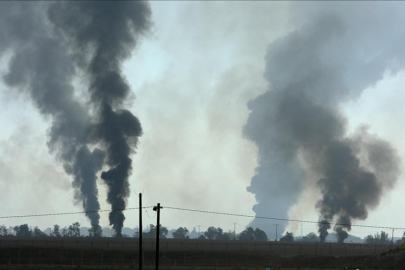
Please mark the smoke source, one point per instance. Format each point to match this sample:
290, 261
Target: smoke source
332, 58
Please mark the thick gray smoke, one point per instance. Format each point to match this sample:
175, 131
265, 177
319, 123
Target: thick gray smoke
337, 53
47, 41
101, 35
40, 66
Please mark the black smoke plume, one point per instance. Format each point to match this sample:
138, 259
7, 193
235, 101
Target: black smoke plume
312, 71
101, 34
324, 226
41, 68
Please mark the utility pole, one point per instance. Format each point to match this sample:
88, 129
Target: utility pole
140, 231
157, 209
276, 230
234, 229
392, 237
199, 230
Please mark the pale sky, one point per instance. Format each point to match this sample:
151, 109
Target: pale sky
191, 78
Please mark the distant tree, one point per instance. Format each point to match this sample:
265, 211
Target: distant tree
211, 233
23, 230
288, 237
74, 230
56, 231
401, 240
380, 239
215, 233
37, 232
369, 239
229, 235
65, 232
247, 235
3, 230
260, 235
202, 237
385, 238
181, 233
253, 235
311, 237
163, 231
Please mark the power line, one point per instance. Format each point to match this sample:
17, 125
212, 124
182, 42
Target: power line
281, 219
204, 211
72, 213
146, 210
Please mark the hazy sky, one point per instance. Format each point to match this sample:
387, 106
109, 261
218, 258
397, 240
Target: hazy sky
191, 78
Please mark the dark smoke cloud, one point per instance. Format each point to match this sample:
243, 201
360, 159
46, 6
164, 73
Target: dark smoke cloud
85, 167
101, 35
324, 226
332, 58
41, 67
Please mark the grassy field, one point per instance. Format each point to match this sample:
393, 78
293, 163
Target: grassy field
58, 258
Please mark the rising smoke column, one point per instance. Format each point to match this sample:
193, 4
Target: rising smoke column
338, 52
40, 67
102, 35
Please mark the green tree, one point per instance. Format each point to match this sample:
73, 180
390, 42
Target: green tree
65, 232
211, 233
37, 232
253, 235
403, 238
247, 235
260, 235
215, 233
288, 237
311, 237
23, 230
380, 239
400, 241
163, 231
228, 235
202, 237
181, 233
384, 238
3, 230
369, 239
56, 231
74, 230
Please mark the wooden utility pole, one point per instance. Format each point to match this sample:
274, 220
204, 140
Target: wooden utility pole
140, 231
157, 209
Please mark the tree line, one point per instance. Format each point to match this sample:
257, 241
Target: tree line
212, 233
26, 231
382, 238
73, 230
